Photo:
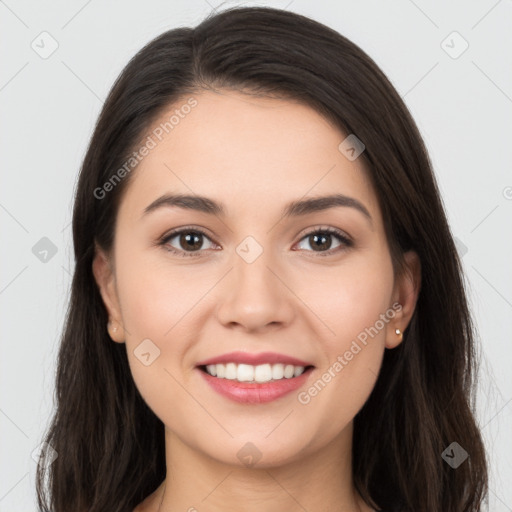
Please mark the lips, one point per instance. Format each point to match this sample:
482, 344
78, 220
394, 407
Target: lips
239, 357
253, 392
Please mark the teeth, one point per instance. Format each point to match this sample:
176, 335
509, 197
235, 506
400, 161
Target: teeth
231, 372
277, 371
263, 373
245, 373
249, 373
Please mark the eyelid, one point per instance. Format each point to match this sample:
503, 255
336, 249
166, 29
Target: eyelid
346, 241
325, 229
163, 240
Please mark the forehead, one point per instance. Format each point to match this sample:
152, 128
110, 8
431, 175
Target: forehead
242, 150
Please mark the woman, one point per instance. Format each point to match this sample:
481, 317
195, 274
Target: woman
267, 308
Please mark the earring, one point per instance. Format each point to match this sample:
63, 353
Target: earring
398, 332
109, 325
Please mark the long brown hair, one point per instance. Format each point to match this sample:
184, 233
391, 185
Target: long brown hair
110, 445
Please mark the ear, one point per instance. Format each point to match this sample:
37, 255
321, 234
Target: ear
406, 291
105, 279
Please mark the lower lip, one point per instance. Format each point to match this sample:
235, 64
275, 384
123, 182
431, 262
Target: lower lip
252, 392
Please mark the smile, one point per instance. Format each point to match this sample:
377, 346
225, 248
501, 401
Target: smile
250, 373
254, 384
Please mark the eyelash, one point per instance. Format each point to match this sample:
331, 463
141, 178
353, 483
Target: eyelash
328, 230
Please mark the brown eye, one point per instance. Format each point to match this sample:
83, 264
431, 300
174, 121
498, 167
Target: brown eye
321, 240
189, 242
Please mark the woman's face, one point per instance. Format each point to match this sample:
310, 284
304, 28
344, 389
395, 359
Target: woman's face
258, 282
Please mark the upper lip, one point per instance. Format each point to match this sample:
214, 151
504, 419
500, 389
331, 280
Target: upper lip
254, 359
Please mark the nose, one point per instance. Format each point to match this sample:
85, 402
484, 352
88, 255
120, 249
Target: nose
255, 295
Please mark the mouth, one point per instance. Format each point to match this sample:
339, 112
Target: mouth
259, 384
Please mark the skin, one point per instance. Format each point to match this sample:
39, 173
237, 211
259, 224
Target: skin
254, 155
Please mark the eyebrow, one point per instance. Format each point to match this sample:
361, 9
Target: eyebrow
293, 209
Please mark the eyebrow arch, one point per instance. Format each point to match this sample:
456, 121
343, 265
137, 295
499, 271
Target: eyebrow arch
293, 209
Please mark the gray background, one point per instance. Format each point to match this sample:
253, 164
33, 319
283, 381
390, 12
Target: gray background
48, 107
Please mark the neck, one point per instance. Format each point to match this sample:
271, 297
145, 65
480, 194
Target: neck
316, 482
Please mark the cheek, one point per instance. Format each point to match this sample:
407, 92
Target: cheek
351, 303
151, 306
349, 298
153, 295
160, 302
